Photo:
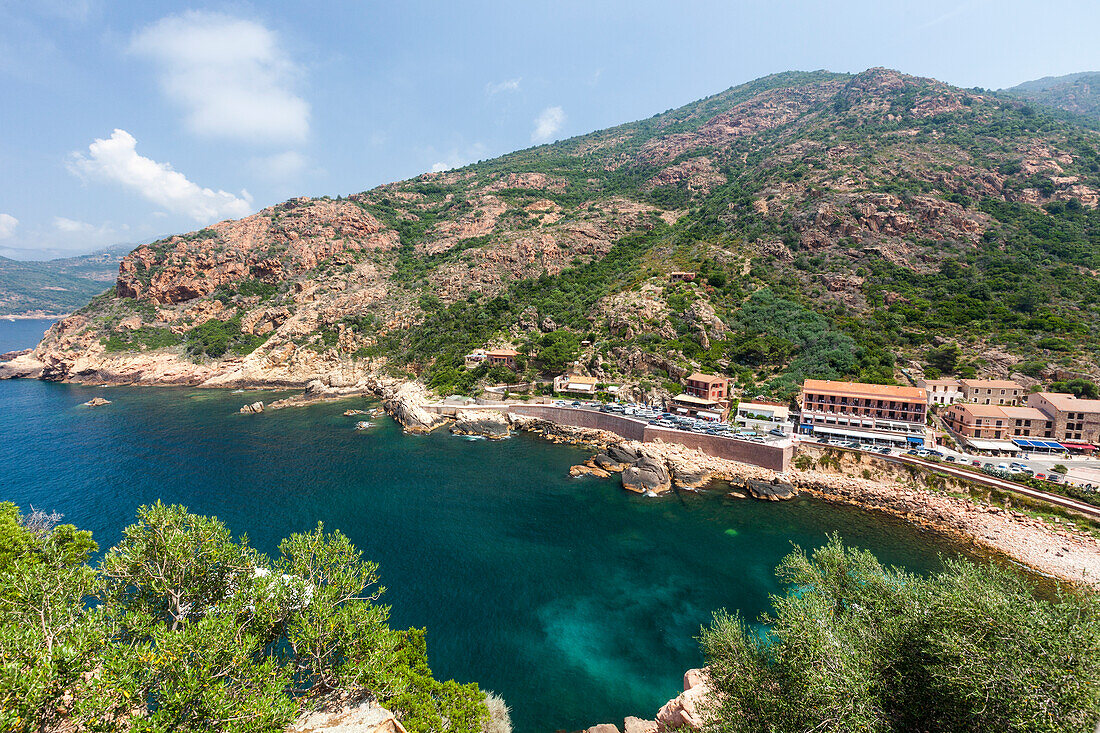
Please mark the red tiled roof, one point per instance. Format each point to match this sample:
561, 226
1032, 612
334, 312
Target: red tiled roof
860, 389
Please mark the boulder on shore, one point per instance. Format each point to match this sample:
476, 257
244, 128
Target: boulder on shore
583, 469
490, 424
96, 402
774, 490
405, 403
647, 475
254, 409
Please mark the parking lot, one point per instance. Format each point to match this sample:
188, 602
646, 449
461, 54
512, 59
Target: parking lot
661, 419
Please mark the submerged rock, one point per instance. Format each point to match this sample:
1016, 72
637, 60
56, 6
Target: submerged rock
349, 413
96, 402
254, 409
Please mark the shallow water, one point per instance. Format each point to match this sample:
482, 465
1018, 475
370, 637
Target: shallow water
575, 600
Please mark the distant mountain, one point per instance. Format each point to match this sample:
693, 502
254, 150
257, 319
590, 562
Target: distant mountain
56, 287
1078, 93
871, 226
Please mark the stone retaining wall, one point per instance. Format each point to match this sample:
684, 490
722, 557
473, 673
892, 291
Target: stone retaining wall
776, 458
618, 424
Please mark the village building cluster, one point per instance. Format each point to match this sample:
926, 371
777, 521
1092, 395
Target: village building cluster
986, 415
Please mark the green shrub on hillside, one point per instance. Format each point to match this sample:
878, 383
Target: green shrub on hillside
183, 628
855, 646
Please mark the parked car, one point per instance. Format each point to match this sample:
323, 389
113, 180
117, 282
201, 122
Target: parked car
777, 431
950, 459
975, 462
1002, 466
911, 453
884, 451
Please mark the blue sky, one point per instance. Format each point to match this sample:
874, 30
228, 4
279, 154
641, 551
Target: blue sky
124, 121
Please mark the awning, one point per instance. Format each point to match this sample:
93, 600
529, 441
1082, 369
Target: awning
807, 426
858, 434
688, 399
1033, 443
914, 439
1080, 446
991, 444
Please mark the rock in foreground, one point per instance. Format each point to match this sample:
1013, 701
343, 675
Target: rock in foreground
96, 402
254, 409
685, 710
363, 718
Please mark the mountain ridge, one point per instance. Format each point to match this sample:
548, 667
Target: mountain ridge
57, 286
840, 225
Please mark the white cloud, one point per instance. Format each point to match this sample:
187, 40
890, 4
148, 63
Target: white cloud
8, 223
72, 225
458, 159
547, 124
116, 160
281, 166
508, 85
230, 75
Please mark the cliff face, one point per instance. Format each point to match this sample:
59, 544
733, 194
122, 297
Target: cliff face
897, 211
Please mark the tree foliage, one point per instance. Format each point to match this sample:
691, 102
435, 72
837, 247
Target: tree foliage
183, 627
855, 646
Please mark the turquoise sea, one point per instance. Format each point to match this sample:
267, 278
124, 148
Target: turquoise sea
578, 602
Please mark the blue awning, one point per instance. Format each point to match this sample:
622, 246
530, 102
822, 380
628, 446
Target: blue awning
915, 441
806, 426
1033, 443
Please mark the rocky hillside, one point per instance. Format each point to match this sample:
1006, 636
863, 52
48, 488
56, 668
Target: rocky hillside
838, 225
1077, 93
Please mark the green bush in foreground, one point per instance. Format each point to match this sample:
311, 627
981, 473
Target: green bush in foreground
854, 646
183, 628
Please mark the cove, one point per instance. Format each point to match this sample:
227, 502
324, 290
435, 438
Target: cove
576, 601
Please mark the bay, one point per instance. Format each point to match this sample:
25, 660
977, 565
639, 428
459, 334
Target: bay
577, 601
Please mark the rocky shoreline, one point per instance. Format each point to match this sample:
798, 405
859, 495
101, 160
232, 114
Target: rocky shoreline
1057, 549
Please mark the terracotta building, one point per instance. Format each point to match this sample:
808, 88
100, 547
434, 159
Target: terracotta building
995, 427
991, 391
707, 386
502, 357
869, 413
705, 396
1075, 421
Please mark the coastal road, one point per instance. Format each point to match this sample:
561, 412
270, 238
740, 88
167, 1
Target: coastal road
999, 483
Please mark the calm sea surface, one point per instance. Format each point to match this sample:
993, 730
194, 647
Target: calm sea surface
575, 600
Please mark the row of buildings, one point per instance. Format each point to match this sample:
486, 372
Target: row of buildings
978, 391
994, 415
1050, 421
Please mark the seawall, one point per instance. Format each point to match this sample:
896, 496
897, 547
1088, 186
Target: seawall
773, 457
